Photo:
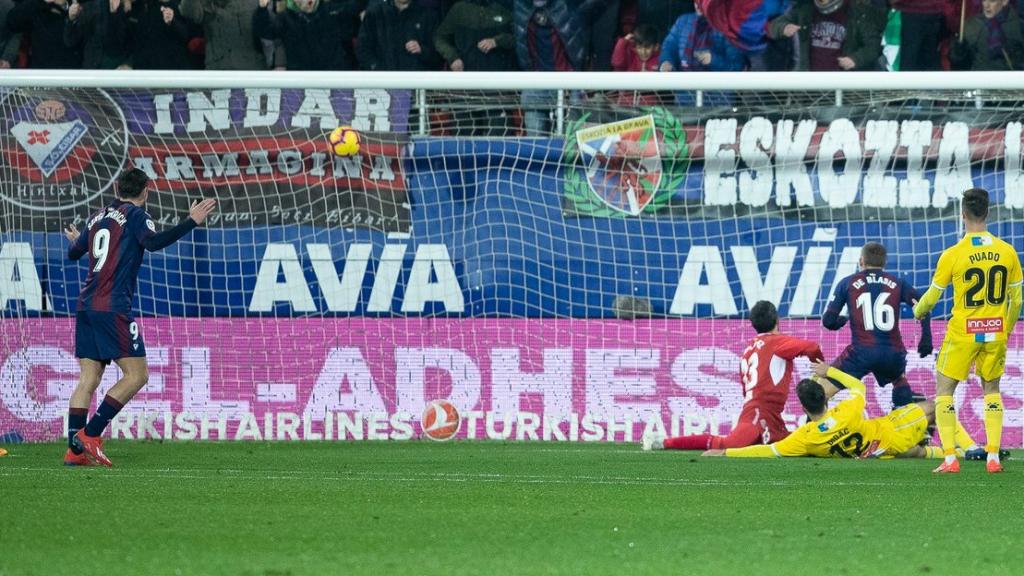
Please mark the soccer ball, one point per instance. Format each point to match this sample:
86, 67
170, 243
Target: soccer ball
344, 141
441, 420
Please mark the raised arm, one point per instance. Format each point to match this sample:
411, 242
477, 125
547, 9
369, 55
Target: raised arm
153, 241
791, 347
943, 275
854, 385
79, 242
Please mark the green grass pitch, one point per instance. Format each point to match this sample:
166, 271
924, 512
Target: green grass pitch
418, 508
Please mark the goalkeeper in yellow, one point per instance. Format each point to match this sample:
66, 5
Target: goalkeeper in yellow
986, 277
844, 432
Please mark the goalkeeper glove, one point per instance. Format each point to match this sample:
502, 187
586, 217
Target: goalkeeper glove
924, 347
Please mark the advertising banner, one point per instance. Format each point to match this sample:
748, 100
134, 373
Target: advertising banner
362, 378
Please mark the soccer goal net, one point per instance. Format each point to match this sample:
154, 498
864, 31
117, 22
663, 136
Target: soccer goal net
570, 262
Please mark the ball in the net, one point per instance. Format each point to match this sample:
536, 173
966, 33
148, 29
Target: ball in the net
344, 141
441, 420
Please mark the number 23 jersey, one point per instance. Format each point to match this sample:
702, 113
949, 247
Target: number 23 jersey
766, 367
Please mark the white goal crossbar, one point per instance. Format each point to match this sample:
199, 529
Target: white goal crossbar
739, 81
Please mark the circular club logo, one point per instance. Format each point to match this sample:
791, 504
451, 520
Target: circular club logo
441, 420
61, 147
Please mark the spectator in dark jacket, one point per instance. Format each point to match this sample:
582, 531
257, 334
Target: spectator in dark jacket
398, 35
692, 45
477, 36
43, 21
603, 27
311, 31
100, 27
159, 35
921, 26
228, 29
549, 38
992, 40
835, 35
9, 42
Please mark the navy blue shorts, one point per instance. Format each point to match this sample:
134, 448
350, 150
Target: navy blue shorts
886, 364
106, 336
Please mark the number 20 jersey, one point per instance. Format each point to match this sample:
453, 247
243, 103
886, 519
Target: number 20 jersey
982, 268
113, 238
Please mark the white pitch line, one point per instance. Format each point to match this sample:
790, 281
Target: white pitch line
483, 478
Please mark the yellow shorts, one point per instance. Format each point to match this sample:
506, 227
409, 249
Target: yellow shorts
906, 427
958, 355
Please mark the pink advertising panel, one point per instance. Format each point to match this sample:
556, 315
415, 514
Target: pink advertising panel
365, 378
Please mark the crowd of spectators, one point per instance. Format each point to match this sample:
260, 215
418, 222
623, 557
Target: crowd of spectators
501, 35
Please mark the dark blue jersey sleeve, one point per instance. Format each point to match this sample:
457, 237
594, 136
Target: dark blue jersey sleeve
140, 225
831, 319
144, 230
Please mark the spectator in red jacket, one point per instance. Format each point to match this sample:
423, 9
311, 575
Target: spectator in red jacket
638, 51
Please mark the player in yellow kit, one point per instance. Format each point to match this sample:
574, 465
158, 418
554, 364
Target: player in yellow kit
843, 432
986, 277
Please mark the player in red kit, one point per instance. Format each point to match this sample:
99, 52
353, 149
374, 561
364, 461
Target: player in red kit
766, 368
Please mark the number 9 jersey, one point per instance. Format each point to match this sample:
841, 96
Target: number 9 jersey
105, 328
114, 240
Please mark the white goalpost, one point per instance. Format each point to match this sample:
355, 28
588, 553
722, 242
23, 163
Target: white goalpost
565, 257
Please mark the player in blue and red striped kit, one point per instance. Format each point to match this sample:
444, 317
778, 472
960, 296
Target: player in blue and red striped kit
115, 238
874, 297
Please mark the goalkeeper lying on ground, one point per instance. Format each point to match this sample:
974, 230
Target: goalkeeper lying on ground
843, 431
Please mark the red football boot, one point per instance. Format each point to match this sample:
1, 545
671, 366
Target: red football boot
72, 459
93, 447
948, 468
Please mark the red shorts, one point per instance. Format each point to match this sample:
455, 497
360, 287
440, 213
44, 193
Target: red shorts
755, 426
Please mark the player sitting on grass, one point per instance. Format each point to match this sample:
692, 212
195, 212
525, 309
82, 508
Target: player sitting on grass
876, 346
843, 432
115, 238
766, 368
986, 276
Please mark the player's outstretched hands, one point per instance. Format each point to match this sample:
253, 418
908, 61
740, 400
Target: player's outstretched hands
820, 368
71, 233
200, 210
713, 453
